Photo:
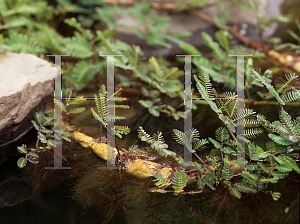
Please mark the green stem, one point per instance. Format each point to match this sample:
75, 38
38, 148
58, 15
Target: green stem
37, 141
116, 145
232, 135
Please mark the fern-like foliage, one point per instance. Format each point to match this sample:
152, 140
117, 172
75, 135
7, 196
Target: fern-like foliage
26, 29
164, 79
85, 32
244, 114
180, 181
221, 67
282, 92
242, 50
282, 84
268, 86
78, 47
205, 81
135, 149
286, 119
190, 139
100, 113
253, 132
101, 106
68, 101
275, 195
226, 102
121, 130
222, 134
287, 128
228, 106
286, 164
234, 192
250, 177
226, 172
290, 97
22, 43
161, 182
157, 143
244, 187
45, 127
83, 72
215, 161
205, 95
209, 180
219, 52
279, 174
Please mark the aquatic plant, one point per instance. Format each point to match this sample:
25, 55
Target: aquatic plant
46, 140
261, 167
276, 159
101, 113
27, 26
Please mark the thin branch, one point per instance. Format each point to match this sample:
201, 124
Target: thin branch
200, 159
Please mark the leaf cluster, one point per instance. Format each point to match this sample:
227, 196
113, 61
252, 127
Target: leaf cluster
46, 134
26, 28
101, 114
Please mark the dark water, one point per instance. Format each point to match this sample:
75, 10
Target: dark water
85, 194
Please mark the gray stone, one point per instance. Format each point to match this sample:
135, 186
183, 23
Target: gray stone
25, 81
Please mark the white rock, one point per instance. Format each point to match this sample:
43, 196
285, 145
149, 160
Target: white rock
25, 81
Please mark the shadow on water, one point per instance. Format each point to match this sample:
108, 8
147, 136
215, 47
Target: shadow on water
86, 194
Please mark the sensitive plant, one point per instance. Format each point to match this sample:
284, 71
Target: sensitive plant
28, 27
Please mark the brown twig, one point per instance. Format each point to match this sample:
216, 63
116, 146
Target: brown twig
222, 203
200, 159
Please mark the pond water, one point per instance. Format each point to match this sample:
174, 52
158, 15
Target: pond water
86, 194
